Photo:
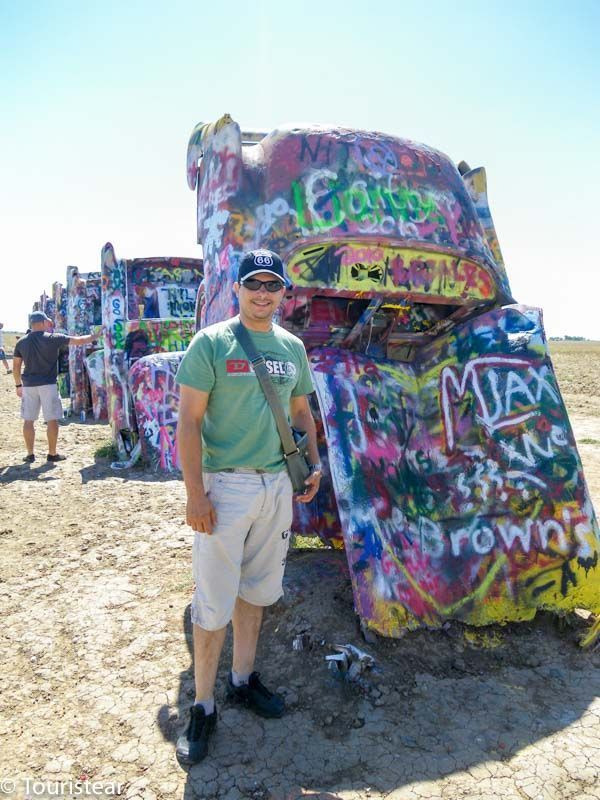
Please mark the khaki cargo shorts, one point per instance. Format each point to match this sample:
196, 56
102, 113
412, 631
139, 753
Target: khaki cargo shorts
246, 552
45, 397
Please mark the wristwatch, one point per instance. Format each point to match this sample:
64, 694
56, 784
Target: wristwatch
314, 468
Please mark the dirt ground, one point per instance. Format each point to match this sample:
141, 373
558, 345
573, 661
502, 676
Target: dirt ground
95, 664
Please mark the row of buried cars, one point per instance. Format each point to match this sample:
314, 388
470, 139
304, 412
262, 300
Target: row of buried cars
141, 306
451, 474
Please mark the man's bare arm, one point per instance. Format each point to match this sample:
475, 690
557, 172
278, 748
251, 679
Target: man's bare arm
17, 366
81, 340
302, 419
201, 515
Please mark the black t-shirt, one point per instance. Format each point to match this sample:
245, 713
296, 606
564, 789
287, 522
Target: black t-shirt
39, 351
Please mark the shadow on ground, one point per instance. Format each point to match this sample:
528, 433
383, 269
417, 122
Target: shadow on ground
437, 702
38, 471
101, 469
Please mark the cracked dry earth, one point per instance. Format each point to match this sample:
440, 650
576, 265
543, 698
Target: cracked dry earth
96, 668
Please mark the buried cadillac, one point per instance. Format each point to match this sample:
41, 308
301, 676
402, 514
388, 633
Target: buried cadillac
451, 474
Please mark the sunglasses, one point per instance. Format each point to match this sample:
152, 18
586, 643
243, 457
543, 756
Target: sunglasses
253, 284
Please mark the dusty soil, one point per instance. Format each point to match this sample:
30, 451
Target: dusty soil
96, 678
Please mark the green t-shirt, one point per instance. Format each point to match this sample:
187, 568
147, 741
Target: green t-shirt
239, 429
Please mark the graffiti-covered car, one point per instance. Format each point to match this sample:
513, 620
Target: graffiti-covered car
457, 488
148, 307
84, 316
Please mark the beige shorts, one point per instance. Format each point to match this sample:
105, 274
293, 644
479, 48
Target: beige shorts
246, 552
45, 397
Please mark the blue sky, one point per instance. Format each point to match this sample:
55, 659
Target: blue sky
98, 101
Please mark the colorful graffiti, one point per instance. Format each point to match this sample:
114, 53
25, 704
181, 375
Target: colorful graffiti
94, 366
156, 402
321, 517
369, 271
322, 196
458, 491
47, 304
218, 180
84, 313
459, 486
135, 295
476, 183
59, 296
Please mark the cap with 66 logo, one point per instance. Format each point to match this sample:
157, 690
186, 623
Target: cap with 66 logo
256, 261
263, 258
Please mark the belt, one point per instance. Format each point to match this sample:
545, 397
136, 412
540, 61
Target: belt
245, 471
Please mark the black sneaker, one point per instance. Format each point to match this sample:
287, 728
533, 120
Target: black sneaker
55, 457
192, 747
256, 697
29, 459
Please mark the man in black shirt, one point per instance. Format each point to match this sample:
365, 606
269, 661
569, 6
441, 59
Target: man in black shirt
37, 385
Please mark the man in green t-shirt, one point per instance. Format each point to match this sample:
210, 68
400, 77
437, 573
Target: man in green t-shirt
239, 494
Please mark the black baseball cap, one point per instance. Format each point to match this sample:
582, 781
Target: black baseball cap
256, 261
38, 316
